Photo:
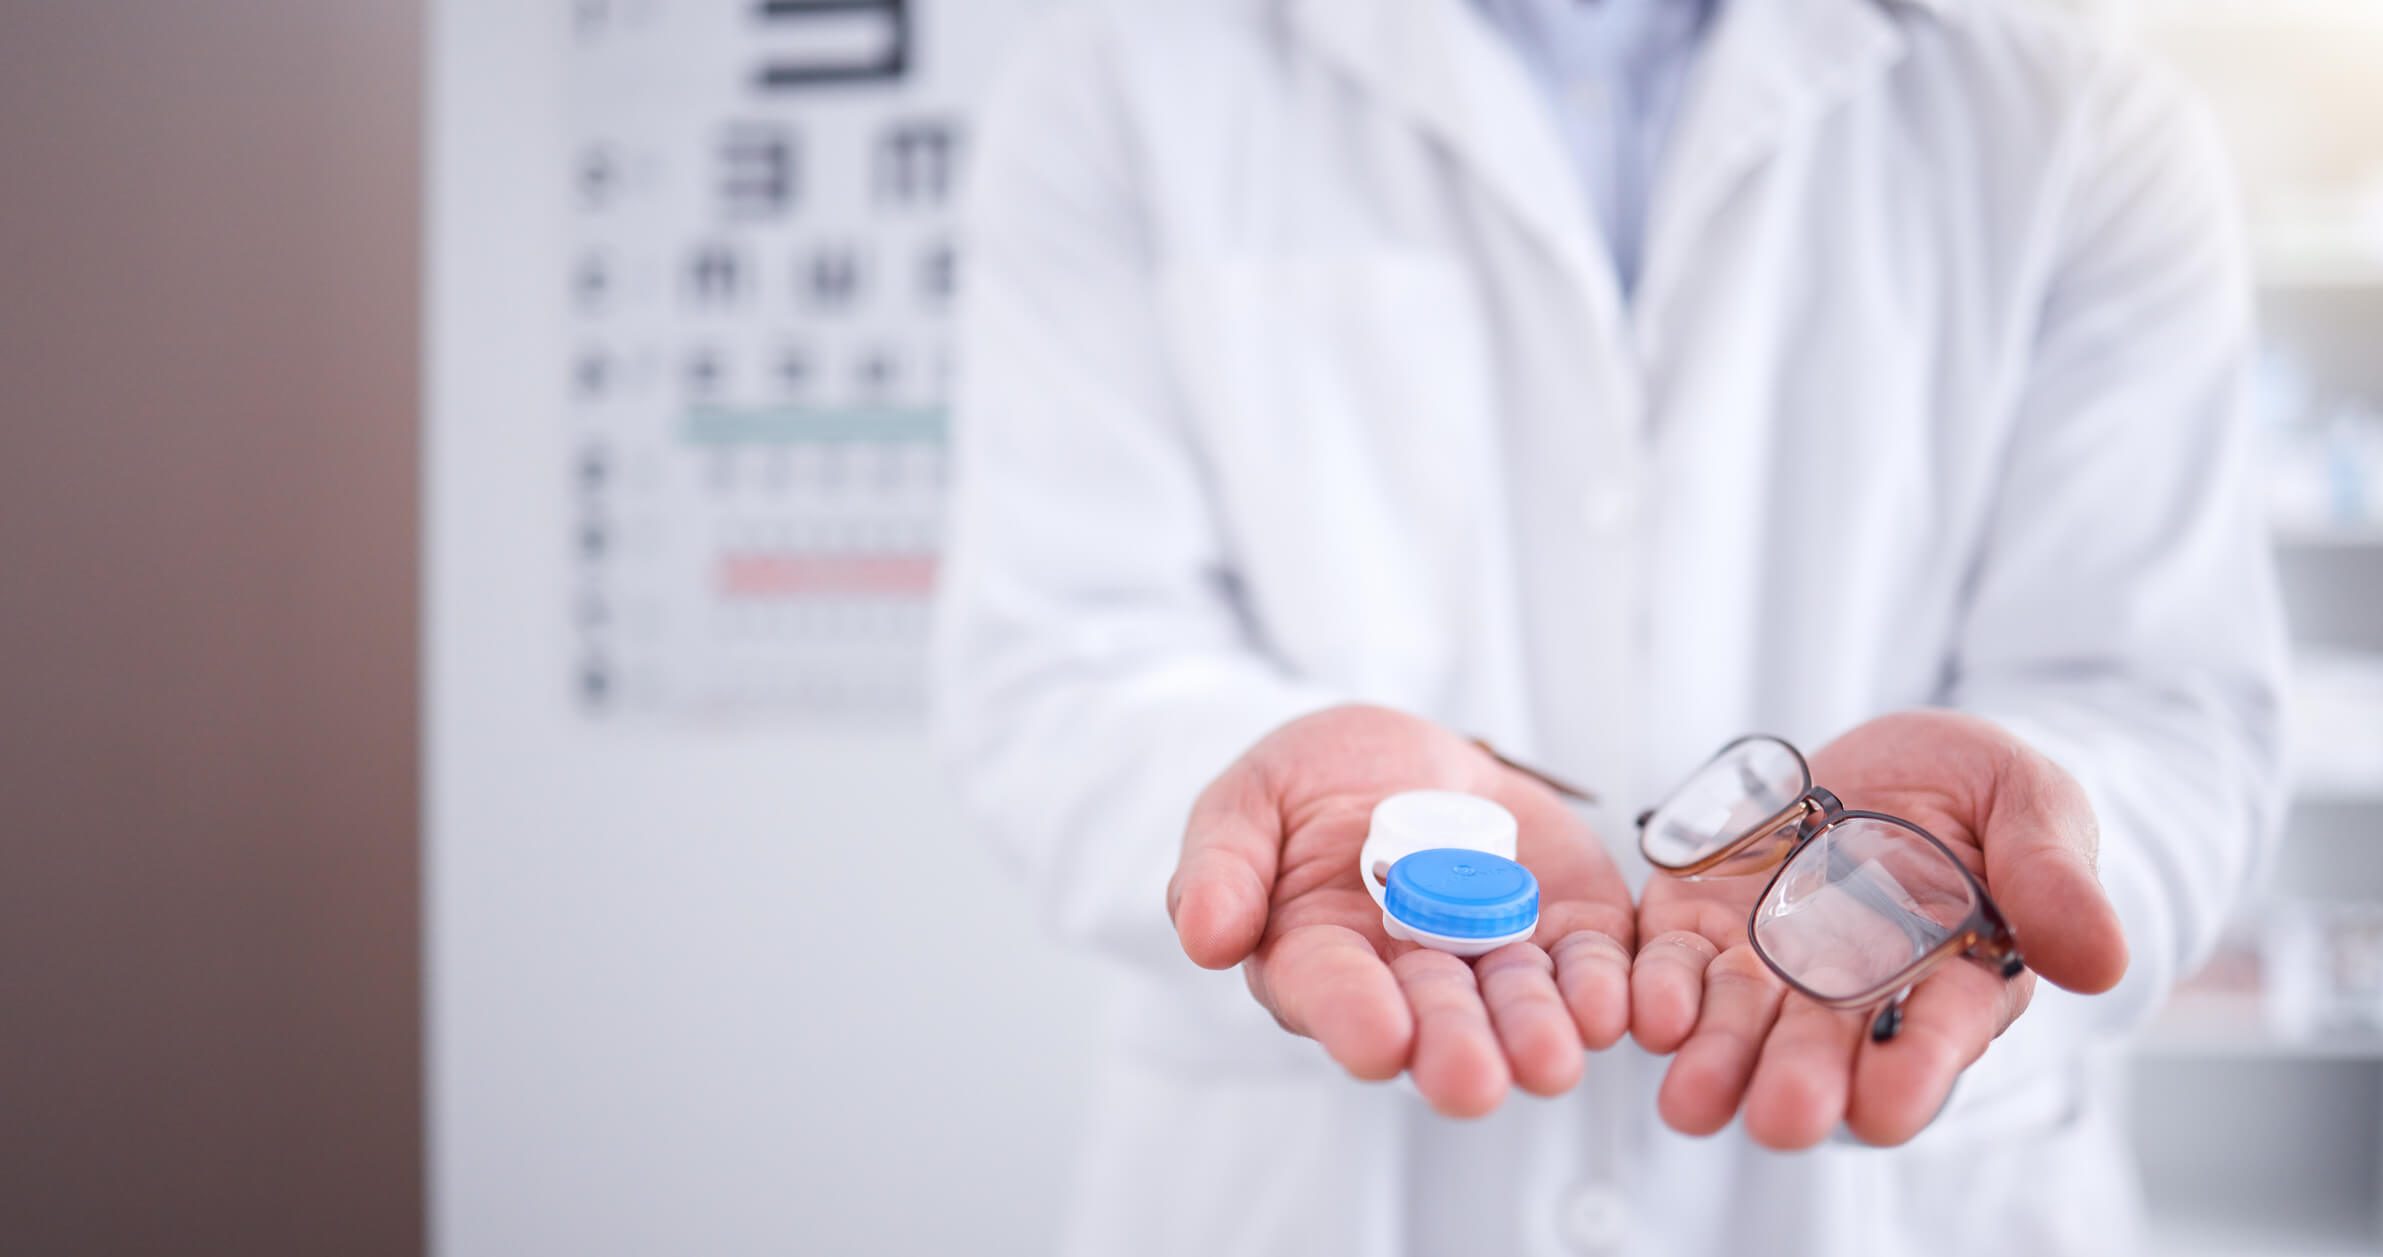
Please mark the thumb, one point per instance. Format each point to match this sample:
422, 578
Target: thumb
2040, 841
1224, 880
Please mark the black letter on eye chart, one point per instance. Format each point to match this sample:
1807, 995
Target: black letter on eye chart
938, 273
833, 277
877, 373
704, 372
598, 177
916, 161
591, 282
814, 42
714, 275
758, 171
794, 370
592, 372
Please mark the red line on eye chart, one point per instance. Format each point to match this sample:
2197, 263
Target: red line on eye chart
777, 575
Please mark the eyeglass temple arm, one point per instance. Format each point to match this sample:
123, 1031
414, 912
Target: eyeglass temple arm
1564, 788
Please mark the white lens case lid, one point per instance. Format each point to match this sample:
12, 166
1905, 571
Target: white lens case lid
1427, 820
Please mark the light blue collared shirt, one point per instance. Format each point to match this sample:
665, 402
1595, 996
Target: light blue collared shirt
1613, 71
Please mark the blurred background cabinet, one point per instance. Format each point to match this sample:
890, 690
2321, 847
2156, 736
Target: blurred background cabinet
209, 975
2258, 1098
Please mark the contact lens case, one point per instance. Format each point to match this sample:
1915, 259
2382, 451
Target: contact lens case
1441, 866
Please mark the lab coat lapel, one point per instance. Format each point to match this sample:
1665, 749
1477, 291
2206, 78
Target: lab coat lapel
1769, 68
1436, 62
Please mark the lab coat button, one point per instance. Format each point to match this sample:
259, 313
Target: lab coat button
1609, 506
1595, 1218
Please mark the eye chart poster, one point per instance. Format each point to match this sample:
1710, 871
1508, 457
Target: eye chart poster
759, 269
690, 271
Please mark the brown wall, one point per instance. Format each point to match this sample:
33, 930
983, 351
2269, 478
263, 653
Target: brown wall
208, 975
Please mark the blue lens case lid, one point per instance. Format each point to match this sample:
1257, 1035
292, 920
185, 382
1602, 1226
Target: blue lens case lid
1458, 893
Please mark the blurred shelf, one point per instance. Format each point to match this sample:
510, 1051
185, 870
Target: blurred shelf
2210, 1043
2338, 793
2203, 1237
2262, 13
2328, 536
2174, 1234
2281, 271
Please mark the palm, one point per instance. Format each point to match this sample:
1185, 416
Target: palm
1270, 878
1797, 1068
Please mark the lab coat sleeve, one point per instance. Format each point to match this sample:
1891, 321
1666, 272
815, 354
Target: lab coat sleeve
2125, 619
1093, 669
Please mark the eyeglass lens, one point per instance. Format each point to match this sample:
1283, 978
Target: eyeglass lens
1747, 784
1859, 905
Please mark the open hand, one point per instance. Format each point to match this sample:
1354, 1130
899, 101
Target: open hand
1268, 880
1743, 1039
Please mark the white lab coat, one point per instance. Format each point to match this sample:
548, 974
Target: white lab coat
1295, 373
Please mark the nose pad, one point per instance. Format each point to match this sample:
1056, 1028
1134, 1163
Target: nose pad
1889, 1019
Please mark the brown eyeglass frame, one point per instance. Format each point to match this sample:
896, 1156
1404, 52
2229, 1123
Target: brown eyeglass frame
1810, 814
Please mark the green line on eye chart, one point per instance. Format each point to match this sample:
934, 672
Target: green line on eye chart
793, 425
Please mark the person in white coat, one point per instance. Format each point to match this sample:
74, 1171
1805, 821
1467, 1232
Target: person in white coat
1307, 429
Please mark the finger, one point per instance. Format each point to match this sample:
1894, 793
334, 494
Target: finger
1518, 986
1328, 983
1805, 1075
1457, 1064
1900, 1085
2040, 843
1219, 894
1593, 975
1667, 986
1707, 1079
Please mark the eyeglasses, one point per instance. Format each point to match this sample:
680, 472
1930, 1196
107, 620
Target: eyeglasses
1863, 904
